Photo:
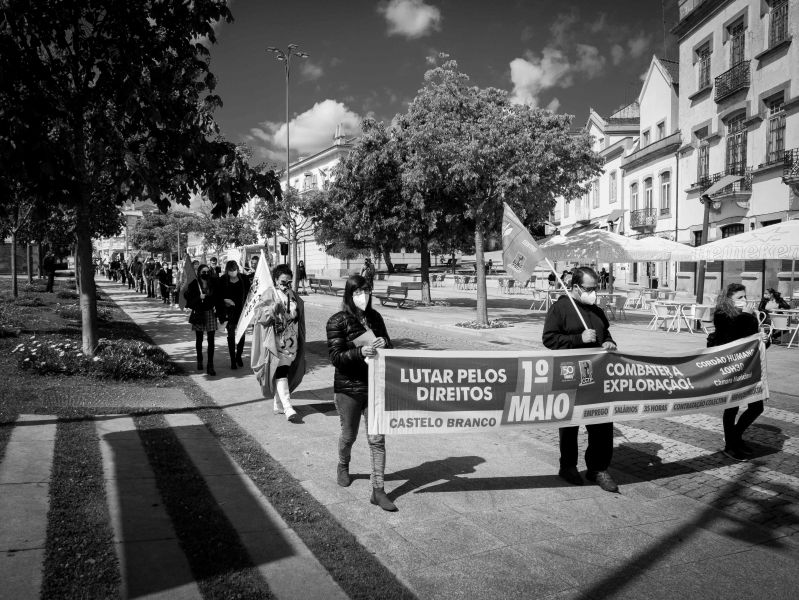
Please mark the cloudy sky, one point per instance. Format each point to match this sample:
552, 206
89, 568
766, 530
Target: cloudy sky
369, 58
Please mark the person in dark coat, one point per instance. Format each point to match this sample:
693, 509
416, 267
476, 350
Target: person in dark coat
734, 320
772, 300
233, 288
563, 330
164, 277
48, 268
354, 334
302, 277
201, 298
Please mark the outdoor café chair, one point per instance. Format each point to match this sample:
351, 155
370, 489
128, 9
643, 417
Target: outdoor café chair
539, 300
503, 285
620, 303
782, 323
510, 286
696, 313
660, 314
458, 282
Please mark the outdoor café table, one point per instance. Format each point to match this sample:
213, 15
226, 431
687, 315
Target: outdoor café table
793, 317
607, 302
675, 307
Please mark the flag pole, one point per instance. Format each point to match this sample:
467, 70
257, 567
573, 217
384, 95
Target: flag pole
568, 292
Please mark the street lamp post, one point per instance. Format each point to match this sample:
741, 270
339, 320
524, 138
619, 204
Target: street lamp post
285, 57
702, 266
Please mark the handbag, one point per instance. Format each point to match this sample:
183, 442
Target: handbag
196, 317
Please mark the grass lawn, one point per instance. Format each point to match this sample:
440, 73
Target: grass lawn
80, 558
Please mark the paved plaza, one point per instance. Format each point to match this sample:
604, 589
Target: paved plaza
480, 515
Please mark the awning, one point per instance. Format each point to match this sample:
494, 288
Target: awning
581, 228
615, 215
721, 184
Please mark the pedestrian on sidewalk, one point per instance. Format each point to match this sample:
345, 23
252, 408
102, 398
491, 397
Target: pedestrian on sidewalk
150, 269
353, 335
233, 290
734, 319
278, 344
368, 272
164, 276
563, 330
201, 299
302, 277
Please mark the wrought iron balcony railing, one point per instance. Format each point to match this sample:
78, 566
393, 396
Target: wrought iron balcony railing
734, 79
742, 186
790, 166
644, 218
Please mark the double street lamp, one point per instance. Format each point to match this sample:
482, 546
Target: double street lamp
285, 57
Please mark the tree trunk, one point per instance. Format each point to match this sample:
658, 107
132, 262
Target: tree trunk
482, 304
425, 269
86, 285
14, 285
387, 260
29, 257
77, 271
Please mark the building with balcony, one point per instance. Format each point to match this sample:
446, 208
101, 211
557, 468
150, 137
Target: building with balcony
738, 107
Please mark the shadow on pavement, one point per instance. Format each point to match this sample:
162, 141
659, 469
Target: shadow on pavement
434, 470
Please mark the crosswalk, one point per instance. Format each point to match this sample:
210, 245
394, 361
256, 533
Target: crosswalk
156, 557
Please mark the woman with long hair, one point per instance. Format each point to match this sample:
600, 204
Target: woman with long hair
353, 335
233, 290
734, 319
201, 299
278, 344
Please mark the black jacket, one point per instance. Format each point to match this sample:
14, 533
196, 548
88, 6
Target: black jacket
563, 329
192, 296
226, 289
352, 372
728, 329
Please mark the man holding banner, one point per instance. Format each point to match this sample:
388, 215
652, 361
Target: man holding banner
564, 329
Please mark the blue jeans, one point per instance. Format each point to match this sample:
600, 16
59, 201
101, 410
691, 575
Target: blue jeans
349, 413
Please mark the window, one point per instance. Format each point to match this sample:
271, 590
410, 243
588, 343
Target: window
736, 146
778, 23
648, 193
665, 193
613, 192
595, 192
731, 230
661, 130
645, 138
703, 155
703, 55
776, 131
698, 238
634, 196
737, 43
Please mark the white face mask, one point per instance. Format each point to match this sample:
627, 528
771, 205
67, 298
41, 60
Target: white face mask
587, 297
740, 304
360, 300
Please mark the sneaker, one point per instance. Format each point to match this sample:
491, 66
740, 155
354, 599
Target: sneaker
734, 453
603, 479
745, 448
572, 475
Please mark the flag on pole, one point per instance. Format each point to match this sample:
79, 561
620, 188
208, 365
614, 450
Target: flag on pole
261, 286
188, 276
520, 253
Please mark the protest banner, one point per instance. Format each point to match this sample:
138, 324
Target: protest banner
448, 392
261, 284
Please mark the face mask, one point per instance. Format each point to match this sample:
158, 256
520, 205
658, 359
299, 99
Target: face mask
360, 300
204, 275
740, 304
588, 297
232, 273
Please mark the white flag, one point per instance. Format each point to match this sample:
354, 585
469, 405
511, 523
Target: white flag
260, 286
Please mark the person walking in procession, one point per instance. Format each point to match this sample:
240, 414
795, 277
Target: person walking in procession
233, 289
353, 335
201, 299
278, 343
734, 319
563, 330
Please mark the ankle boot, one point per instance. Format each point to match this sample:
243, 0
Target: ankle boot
199, 361
231, 348
343, 475
210, 369
380, 499
282, 387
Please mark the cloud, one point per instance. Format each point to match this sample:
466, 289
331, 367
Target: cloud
310, 70
311, 131
410, 18
639, 45
616, 54
599, 24
589, 61
562, 27
553, 105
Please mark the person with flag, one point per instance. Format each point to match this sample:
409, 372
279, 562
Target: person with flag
278, 341
574, 321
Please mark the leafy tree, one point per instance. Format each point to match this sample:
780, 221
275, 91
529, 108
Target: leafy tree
471, 149
114, 101
276, 218
158, 232
220, 233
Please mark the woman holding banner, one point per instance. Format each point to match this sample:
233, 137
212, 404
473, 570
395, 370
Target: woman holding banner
734, 319
353, 335
233, 290
278, 344
577, 322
